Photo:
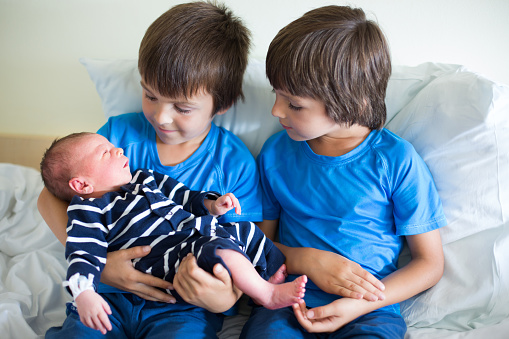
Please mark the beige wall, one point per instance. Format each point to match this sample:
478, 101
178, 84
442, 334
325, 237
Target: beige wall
44, 90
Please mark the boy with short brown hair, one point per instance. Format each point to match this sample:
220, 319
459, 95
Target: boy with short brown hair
348, 192
195, 45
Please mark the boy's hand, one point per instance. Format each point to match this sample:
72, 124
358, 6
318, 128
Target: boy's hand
120, 273
336, 274
225, 203
93, 311
328, 318
216, 293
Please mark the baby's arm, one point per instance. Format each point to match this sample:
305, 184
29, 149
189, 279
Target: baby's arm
92, 308
222, 204
93, 311
422, 272
331, 272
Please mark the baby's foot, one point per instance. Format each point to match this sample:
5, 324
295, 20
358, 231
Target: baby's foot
283, 295
280, 276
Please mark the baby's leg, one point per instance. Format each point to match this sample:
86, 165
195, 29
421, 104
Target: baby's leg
267, 294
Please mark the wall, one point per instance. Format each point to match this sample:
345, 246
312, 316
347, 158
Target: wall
44, 90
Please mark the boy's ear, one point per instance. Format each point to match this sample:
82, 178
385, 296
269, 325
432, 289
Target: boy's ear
80, 186
223, 111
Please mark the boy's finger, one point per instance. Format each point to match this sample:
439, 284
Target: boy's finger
136, 252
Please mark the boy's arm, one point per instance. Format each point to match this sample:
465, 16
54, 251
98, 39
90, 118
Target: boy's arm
54, 212
119, 272
331, 272
422, 272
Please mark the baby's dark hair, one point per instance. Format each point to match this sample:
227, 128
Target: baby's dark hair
335, 55
196, 46
57, 166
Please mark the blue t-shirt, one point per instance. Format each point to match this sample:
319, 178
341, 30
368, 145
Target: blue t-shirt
222, 163
359, 205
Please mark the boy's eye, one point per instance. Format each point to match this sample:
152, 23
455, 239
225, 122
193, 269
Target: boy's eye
182, 111
150, 97
294, 108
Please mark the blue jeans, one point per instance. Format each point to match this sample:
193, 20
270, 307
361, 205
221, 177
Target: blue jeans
134, 317
282, 323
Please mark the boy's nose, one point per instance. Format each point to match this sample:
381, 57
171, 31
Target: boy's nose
276, 112
119, 152
163, 115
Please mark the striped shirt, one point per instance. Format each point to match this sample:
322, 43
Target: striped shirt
156, 210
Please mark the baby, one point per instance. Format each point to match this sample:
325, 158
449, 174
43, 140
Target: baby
111, 209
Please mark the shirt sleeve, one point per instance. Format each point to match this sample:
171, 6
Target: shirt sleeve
417, 205
242, 179
191, 201
86, 246
271, 206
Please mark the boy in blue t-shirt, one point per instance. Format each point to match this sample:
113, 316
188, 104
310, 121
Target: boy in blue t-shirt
338, 187
191, 60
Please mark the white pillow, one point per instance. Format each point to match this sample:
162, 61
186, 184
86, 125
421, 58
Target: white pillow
406, 81
459, 124
118, 84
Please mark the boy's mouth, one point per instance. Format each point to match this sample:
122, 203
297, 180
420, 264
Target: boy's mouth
165, 130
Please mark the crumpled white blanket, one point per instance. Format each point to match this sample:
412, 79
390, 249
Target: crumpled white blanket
32, 263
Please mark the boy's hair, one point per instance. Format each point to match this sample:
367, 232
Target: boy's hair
335, 55
57, 166
194, 46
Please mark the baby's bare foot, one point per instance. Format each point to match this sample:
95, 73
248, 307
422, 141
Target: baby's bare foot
284, 295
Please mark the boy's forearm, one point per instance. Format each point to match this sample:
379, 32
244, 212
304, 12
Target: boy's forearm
417, 276
54, 213
295, 258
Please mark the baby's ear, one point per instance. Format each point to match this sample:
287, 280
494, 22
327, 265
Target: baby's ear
80, 186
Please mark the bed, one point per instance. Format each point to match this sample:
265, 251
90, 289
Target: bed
456, 119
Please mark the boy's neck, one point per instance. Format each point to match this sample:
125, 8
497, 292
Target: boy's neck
171, 155
174, 154
344, 142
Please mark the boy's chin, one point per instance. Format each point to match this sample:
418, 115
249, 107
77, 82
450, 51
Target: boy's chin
295, 137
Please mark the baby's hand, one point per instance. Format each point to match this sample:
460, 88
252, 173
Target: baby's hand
225, 203
93, 311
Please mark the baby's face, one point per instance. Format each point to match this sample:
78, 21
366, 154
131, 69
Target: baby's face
103, 164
